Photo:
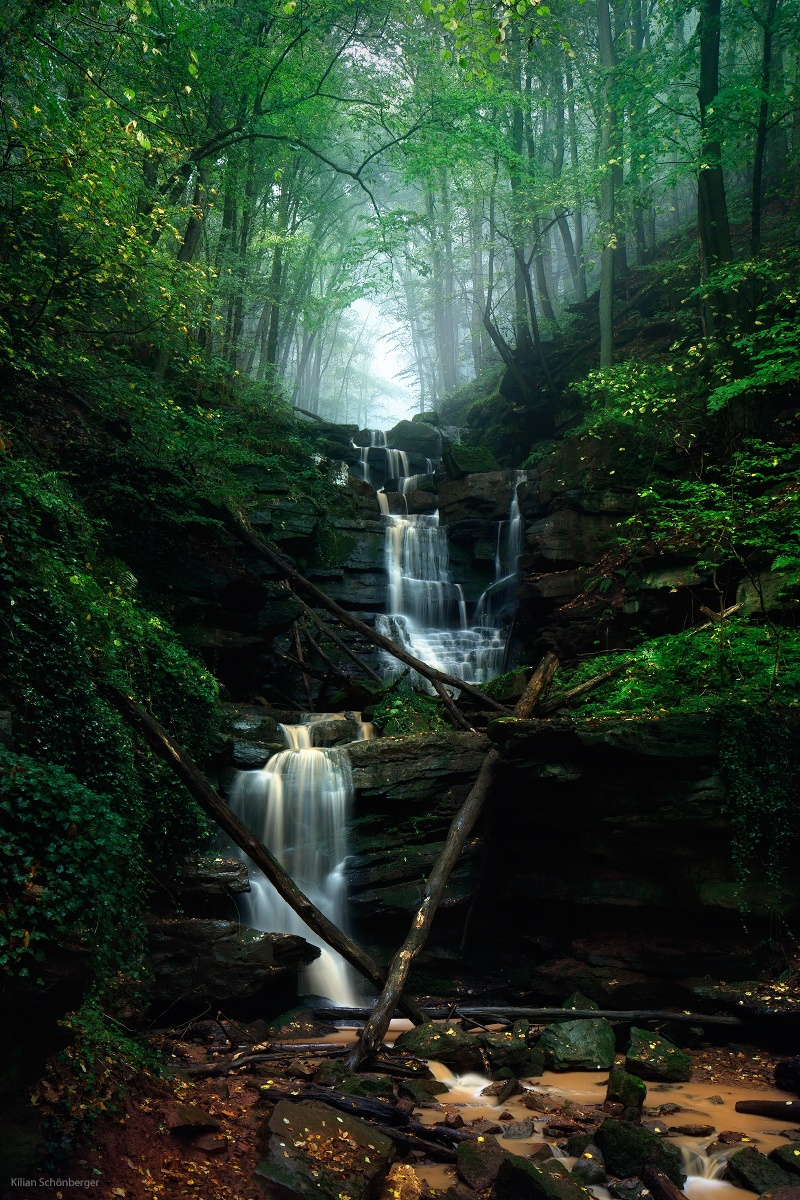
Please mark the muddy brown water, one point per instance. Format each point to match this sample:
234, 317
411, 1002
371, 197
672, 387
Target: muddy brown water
701, 1103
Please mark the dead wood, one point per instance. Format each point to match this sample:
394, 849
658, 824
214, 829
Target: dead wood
456, 715
779, 1109
237, 525
536, 685
660, 1185
212, 803
543, 1014
332, 636
303, 667
580, 690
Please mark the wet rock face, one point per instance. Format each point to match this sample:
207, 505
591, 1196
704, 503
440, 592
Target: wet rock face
481, 497
627, 1090
444, 1042
652, 1057
627, 1148
754, 1171
578, 1045
207, 876
197, 962
311, 1152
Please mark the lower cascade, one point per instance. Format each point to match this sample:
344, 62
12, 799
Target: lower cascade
299, 804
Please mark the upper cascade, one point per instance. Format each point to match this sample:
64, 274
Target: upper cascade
427, 611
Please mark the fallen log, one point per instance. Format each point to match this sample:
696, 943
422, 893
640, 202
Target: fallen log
660, 1185
363, 1107
332, 636
212, 803
779, 1109
377, 1023
542, 1014
579, 690
432, 1149
238, 526
536, 685
455, 713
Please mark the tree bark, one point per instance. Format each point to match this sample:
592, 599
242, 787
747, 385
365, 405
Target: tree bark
712, 208
374, 1031
248, 538
781, 1110
660, 1185
761, 129
536, 685
606, 230
568, 1014
212, 803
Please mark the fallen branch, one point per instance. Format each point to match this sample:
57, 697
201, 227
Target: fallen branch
536, 685
779, 1109
377, 1023
580, 690
239, 528
660, 1185
323, 627
456, 715
303, 667
212, 803
228, 1064
331, 665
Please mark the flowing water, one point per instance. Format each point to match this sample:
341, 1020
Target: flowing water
427, 612
299, 805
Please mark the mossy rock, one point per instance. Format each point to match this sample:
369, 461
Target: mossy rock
468, 460
754, 1171
443, 1042
510, 1053
628, 1090
337, 1075
478, 1163
652, 1057
787, 1158
415, 437
583, 1045
627, 1148
590, 1168
427, 418
422, 1091
521, 1179
579, 1001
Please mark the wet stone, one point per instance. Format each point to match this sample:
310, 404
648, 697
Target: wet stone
521, 1179
652, 1057
627, 1148
311, 1151
729, 1137
781, 1193
443, 1042
628, 1091
792, 1134
519, 1129
787, 1157
628, 1189
589, 1168
483, 1127
692, 1130
583, 1045
660, 1128
478, 1163
754, 1171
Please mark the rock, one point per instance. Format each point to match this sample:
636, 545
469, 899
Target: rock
189, 1119
583, 1045
423, 1091
578, 1142
420, 501
729, 1137
402, 1183
521, 1179
429, 418
781, 1193
589, 1168
412, 768
415, 437
312, 1152
335, 732
786, 1157
692, 1130
217, 963
249, 756
460, 1191
579, 1001
654, 1126
444, 1042
652, 1057
792, 1134
478, 1162
518, 1129
249, 723
460, 460
570, 537
212, 1143
627, 1148
337, 1075
210, 876
540, 1152
754, 1171
483, 1127
476, 498
627, 1090
511, 1052
540, 1103
363, 497
629, 1189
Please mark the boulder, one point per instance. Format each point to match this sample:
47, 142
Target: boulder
415, 437
521, 1179
420, 501
511, 1052
579, 1001
627, 1090
752, 1170
428, 418
363, 497
479, 1162
652, 1057
781, 1193
444, 1042
483, 498
589, 1168
626, 1148
311, 1152
250, 756
462, 460
787, 1158
210, 876
337, 1075
787, 1075
338, 731
584, 1045
199, 962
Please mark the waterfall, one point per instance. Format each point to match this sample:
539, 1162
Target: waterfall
427, 612
299, 804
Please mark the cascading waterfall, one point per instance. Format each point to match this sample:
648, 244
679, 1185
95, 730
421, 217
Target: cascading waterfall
427, 612
299, 805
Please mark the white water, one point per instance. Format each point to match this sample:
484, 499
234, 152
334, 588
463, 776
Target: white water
427, 612
299, 805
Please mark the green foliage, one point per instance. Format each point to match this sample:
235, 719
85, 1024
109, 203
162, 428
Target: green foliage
70, 624
633, 395
100, 1068
700, 669
402, 711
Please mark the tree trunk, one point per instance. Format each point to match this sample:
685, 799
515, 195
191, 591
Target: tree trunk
712, 208
195, 782
577, 219
757, 197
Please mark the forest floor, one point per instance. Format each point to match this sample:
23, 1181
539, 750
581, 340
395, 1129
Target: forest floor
149, 1150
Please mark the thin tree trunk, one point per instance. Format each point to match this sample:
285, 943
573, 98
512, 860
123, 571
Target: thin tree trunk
195, 782
761, 129
577, 219
607, 215
712, 208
